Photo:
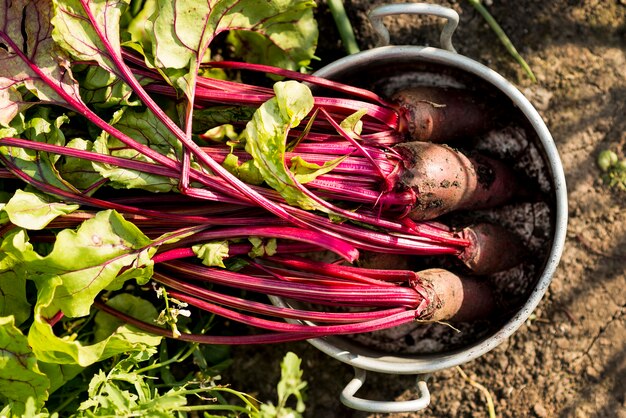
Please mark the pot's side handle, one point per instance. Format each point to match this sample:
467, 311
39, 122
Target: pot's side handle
348, 399
376, 17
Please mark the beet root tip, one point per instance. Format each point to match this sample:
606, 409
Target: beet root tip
492, 249
438, 114
456, 298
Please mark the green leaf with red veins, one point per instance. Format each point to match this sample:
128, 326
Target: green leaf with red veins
10, 102
40, 165
13, 299
50, 348
29, 56
13, 296
77, 171
183, 29
287, 40
76, 34
20, 377
266, 136
144, 128
33, 210
105, 251
104, 90
305, 171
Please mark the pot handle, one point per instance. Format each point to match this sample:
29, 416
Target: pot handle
348, 399
376, 17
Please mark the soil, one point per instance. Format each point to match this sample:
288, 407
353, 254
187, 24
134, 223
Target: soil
569, 358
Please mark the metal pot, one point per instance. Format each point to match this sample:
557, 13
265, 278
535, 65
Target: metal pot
366, 66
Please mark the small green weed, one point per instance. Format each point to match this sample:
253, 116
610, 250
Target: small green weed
613, 169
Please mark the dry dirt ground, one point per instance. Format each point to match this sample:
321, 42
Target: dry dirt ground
570, 359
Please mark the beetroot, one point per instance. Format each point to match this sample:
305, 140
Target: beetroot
456, 298
492, 249
438, 114
445, 180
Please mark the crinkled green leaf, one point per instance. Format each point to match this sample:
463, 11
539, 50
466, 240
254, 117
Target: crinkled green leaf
261, 247
25, 26
305, 172
14, 128
353, 123
91, 259
43, 128
104, 90
52, 349
20, 377
78, 171
266, 136
4, 198
246, 171
212, 253
183, 29
32, 210
105, 324
13, 296
136, 26
40, 165
287, 41
16, 250
216, 116
88, 260
76, 34
145, 128
59, 374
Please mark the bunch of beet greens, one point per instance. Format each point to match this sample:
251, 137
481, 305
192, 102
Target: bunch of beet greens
140, 167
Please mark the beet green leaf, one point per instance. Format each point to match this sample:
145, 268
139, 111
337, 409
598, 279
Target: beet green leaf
20, 377
266, 136
33, 210
52, 349
30, 58
86, 261
13, 300
183, 30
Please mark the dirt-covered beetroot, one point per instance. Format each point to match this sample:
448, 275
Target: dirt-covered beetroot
438, 114
456, 298
445, 180
492, 249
